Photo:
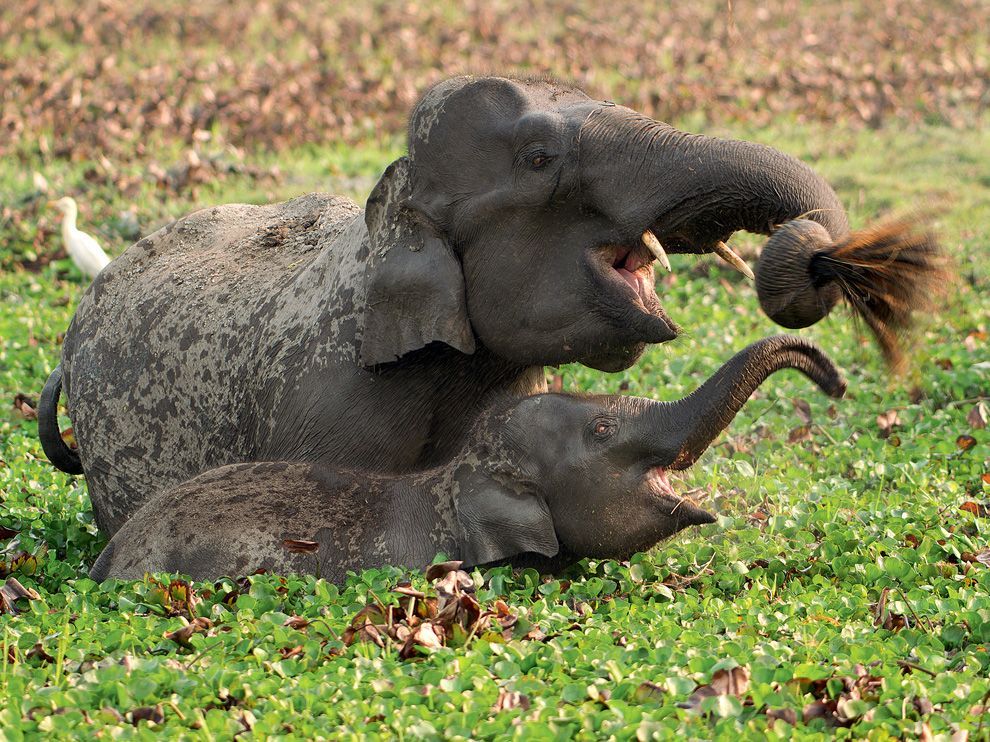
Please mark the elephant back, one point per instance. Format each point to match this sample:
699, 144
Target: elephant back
163, 341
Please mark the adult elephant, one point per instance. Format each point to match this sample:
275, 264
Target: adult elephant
511, 236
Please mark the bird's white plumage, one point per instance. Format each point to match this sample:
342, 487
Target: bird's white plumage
85, 251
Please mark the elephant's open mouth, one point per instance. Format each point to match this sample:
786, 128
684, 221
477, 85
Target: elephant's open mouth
657, 483
626, 275
635, 267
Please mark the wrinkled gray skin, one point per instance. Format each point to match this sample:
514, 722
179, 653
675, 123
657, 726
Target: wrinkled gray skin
508, 238
544, 480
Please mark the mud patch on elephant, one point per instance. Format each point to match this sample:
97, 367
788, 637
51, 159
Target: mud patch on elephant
296, 229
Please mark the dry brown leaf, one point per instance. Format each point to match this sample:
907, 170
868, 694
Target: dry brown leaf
977, 417
887, 421
12, 591
153, 714
788, 716
300, 546
734, 682
289, 652
38, 652
508, 700
296, 622
183, 634
979, 509
26, 407
965, 442
974, 340
436, 571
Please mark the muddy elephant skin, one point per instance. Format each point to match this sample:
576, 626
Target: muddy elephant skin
543, 481
511, 236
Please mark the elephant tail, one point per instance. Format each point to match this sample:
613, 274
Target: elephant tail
103, 564
61, 456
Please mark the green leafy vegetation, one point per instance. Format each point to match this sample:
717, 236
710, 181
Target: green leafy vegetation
845, 589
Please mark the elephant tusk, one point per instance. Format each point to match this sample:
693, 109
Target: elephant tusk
725, 252
654, 246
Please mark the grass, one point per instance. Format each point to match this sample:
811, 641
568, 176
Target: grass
844, 570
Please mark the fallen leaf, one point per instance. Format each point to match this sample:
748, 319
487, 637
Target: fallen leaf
803, 410
296, 622
38, 652
290, 652
6, 533
436, 571
424, 636
300, 546
734, 682
974, 340
977, 417
12, 591
183, 634
28, 408
508, 700
979, 509
965, 442
887, 421
535, 634
408, 591
788, 716
154, 714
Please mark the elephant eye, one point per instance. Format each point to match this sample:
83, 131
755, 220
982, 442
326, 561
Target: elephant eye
604, 428
539, 161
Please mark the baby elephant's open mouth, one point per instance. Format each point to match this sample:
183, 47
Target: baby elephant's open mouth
658, 484
677, 433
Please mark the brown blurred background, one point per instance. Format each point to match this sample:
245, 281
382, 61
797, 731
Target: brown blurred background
111, 77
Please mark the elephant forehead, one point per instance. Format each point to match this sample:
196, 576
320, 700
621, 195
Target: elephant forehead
505, 96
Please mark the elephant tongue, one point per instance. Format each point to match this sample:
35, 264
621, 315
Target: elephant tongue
688, 512
639, 280
660, 482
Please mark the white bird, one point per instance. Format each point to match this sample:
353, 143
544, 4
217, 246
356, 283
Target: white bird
85, 251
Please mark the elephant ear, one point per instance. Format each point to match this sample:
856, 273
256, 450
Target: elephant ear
501, 517
414, 283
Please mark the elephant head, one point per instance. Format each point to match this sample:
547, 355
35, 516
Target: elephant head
589, 476
527, 217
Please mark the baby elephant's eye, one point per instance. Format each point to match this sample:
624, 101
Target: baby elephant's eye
604, 428
540, 161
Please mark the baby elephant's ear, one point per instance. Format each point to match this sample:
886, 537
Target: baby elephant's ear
415, 288
501, 518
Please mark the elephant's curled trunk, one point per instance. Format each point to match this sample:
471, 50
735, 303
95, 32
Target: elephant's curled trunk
688, 426
885, 273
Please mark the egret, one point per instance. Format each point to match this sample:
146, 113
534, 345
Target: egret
85, 251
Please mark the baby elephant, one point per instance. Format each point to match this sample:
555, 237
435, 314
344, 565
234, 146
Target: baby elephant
542, 480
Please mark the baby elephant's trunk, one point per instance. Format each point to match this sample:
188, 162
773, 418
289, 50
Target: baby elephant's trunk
688, 426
